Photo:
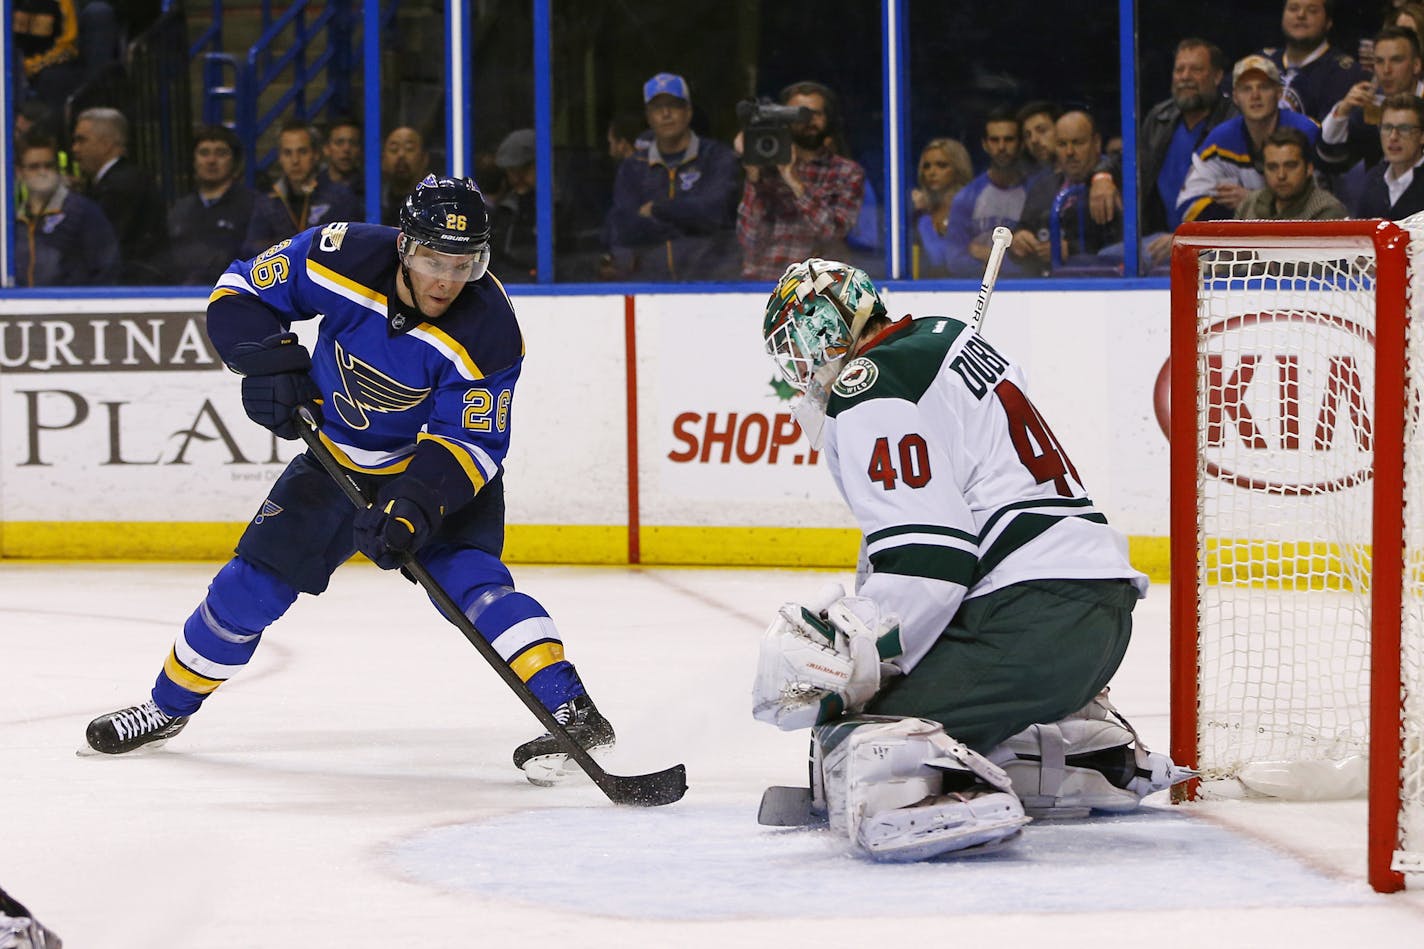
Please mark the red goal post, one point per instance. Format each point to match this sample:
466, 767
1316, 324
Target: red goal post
1297, 519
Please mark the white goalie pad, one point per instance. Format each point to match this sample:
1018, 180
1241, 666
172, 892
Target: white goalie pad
1090, 761
903, 790
819, 660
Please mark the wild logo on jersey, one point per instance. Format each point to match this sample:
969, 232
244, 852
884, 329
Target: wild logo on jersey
856, 377
368, 390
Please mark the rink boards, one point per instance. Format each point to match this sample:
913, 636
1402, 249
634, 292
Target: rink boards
645, 429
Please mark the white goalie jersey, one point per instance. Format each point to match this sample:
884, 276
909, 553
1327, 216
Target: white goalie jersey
956, 480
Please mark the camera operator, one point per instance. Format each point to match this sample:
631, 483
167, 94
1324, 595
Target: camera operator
802, 207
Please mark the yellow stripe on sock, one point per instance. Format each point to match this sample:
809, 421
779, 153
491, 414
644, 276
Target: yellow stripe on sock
531, 660
186, 677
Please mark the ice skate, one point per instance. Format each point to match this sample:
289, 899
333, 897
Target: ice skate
120, 732
544, 763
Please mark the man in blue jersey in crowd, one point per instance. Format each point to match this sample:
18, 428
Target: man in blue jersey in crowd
994, 199
410, 381
1227, 167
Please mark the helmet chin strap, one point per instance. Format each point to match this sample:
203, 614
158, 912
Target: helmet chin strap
401, 319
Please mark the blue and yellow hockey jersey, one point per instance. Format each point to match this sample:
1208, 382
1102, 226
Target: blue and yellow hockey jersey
427, 398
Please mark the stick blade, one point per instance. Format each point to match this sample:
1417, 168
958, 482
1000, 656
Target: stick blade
645, 790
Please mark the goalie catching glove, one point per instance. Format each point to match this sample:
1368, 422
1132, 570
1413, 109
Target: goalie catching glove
822, 660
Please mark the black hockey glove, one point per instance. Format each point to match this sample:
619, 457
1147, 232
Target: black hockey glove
407, 513
276, 380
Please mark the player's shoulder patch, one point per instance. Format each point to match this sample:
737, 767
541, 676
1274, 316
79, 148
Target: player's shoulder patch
858, 375
332, 236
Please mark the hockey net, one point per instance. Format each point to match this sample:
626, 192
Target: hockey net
1298, 519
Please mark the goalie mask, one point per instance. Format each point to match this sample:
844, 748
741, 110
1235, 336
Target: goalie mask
816, 313
448, 216
818, 309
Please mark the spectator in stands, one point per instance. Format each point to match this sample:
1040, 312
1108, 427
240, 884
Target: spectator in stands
674, 204
1314, 75
1079, 148
1409, 15
994, 199
63, 238
1394, 188
806, 207
342, 151
627, 133
944, 171
207, 227
34, 116
404, 162
126, 192
514, 247
1227, 166
46, 37
1291, 193
301, 197
1350, 132
1037, 121
1173, 131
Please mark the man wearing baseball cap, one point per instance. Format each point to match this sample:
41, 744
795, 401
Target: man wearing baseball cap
1228, 165
674, 205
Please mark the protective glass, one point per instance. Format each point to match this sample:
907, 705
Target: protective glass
460, 268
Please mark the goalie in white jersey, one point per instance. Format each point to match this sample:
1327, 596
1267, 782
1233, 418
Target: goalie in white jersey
961, 690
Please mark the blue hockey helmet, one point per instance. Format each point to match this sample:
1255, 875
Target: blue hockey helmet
448, 215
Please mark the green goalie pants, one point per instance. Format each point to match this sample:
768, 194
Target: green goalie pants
1031, 652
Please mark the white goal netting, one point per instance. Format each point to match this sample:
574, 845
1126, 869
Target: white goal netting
1285, 469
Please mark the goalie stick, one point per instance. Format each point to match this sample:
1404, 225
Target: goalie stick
644, 790
1001, 239
783, 806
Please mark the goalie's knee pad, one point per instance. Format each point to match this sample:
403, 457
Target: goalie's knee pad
901, 789
1092, 760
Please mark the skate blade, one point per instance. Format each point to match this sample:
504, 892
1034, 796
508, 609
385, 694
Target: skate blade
547, 771
84, 751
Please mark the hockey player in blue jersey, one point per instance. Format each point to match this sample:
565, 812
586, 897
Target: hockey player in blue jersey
410, 380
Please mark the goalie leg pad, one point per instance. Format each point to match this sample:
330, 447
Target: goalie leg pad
1092, 760
901, 790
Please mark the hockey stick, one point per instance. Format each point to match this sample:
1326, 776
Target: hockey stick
1002, 237
645, 790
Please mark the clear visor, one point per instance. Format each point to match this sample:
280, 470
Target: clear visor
454, 267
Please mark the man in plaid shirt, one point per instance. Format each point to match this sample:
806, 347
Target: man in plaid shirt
806, 208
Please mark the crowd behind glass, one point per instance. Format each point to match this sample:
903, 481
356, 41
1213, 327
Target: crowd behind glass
1305, 123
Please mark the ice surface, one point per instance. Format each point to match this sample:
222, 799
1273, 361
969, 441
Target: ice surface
353, 788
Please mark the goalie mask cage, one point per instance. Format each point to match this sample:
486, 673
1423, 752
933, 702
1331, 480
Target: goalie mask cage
1297, 519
